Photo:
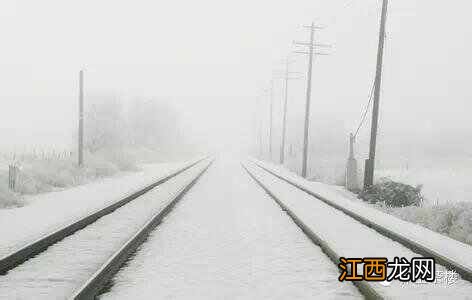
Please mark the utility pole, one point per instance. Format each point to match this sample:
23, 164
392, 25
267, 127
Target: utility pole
271, 117
81, 118
261, 149
260, 126
370, 162
308, 100
284, 120
311, 51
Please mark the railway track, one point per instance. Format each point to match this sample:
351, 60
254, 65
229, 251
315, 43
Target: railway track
33, 248
229, 240
453, 262
107, 243
326, 214
49, 268
100, 279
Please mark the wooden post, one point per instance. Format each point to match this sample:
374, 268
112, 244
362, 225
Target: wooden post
307, 103
284, 120
271, 117
81, 119
12, 176
370, 163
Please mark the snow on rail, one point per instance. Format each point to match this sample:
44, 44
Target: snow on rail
19, 226
449, 252
18, 255
65, 266
92, 288
342, 236
228, 240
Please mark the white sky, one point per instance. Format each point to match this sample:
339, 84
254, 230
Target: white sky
213, 58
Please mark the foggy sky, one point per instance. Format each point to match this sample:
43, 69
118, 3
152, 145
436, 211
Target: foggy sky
212, 59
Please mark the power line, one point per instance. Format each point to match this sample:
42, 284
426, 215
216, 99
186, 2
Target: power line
366, 110
81, 119
312, 50
370, 162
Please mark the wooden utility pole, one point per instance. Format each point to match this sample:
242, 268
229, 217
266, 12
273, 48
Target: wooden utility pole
370, 162
261, 149
271, 117
81, 118
260, 126
311, 51
308, 102
284, 119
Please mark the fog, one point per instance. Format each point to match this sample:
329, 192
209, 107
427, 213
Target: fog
212, 60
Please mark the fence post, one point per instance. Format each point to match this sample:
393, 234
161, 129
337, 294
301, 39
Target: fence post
352, 183
12, 176
9, 177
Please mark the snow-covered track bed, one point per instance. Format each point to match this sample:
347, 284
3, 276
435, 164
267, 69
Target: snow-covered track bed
448, 252
341, 235
228, 240
81, 264
18, 256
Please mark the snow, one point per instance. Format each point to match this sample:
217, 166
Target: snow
65, 266
227, 239
451, 219
455, 250
50, 211
341, 230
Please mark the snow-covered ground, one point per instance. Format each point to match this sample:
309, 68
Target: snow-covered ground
47, 212
65, 266
349, 238
227, 239
447, 205
441, 244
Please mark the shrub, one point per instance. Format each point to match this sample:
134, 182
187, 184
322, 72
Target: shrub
8, 199
39, 175
393, 194
451, 219
29, 183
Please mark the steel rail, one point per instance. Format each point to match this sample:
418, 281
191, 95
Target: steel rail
367, 291
99, 281
17, 257
464, 271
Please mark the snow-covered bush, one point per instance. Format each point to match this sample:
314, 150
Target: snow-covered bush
393, 194
117, 138
7, 198
451, 219
45, 175
105, 123
116, 123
